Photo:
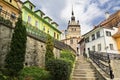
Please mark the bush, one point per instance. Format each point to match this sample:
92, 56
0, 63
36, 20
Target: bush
14, 60
68, 55
34, 73
49, 49
59, 69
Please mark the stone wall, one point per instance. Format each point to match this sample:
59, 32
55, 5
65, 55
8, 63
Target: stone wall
35, 51
5, 39
115, 64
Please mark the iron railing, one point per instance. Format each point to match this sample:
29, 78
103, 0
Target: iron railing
103, 61
40, 35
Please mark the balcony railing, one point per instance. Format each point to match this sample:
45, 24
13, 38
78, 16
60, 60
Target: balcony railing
38, 34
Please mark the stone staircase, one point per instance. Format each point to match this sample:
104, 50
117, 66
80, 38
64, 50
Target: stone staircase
83, 70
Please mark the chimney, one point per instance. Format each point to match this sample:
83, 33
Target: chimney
107, 14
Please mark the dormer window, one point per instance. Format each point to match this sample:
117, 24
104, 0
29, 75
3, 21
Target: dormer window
13, 15
31, 7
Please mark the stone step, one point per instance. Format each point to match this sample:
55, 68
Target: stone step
83, 72
83, 64
85, 75
89, 70
84, 78
83, 67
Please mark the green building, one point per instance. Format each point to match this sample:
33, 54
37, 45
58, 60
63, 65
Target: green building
38, 20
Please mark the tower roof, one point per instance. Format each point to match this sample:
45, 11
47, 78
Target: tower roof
72, 21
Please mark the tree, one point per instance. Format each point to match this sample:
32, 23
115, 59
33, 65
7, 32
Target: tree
14, 61
49, 49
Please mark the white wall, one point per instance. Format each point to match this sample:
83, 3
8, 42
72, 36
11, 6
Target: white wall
111, 40
103, 40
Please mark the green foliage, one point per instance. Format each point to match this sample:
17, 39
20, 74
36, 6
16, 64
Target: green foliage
68, 55
59, 69
34, 73
14, 61
49, 49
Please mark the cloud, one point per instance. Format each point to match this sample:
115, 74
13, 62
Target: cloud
88, 12
85, 11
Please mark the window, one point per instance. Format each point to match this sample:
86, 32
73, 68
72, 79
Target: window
10, 0
93, 48
99, 47
0, 8
93, 36
73, 29
29, 19
111, 46
57, 36
13, 15
88, 50
30, 7
87, 39
71, 41
54, 35
43, 28
36, 23
98, 34
48, 31
108, 33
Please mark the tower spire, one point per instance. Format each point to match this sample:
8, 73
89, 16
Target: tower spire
72, 10
73, 17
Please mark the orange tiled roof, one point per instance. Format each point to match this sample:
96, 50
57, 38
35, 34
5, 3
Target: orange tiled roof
111, 20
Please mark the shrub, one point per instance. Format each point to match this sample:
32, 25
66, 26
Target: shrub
66, 54
34, 73
14, 61
49, 49
59, 69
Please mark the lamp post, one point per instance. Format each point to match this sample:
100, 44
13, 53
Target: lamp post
110, 69
106, 48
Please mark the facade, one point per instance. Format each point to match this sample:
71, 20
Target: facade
10, 9
82, 46
38, 20
103, 38
100, 40
72, 34
116, 36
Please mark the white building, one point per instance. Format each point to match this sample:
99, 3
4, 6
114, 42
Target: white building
100, 40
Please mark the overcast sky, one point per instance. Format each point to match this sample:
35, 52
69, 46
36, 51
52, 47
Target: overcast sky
88, 12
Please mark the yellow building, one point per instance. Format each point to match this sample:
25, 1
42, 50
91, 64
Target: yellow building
38, 20
10, 9
117, 38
